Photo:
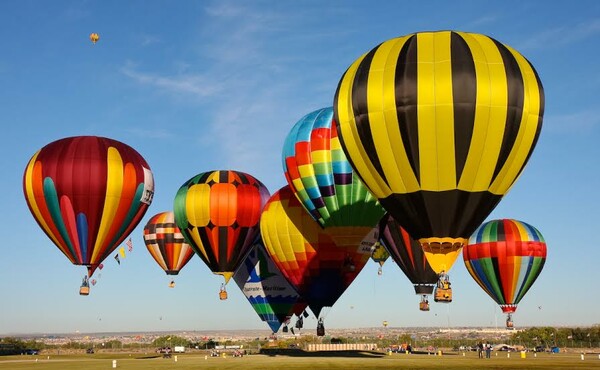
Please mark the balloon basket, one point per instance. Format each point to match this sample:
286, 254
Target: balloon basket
443, 295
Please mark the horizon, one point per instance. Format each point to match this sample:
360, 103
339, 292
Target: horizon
197, 86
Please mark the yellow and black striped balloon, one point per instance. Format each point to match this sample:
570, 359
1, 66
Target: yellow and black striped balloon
439, 125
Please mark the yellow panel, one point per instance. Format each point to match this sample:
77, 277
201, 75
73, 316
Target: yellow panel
490, 114
527, 130
354, 148
442, 262
33, 204
444, 113
306, 171
435, 113
320, 156
197, 207
198, 241
114, 187
384, 119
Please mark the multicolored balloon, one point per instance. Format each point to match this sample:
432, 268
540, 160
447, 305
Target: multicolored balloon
409, 256
307, 256
218, 214
439, 125
166, 244
370, 244
505, 257
267, 290
87, 193
321, 177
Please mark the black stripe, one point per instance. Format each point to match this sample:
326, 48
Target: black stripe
223, 177
497, 274
360, 110
540, 118
464, 95
418, 269
406, 102
210, 260
514, 112
222, 246
244, 178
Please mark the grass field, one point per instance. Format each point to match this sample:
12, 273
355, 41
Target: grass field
302, 360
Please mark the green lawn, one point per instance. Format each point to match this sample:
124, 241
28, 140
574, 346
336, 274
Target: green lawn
302, 360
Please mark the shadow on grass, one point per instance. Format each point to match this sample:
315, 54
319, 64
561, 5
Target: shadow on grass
293, 352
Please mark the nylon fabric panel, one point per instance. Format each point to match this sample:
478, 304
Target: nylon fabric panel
348, 133
434, 112
529, 123
384, 122
490, 114
122, 200
406, 252
464, 95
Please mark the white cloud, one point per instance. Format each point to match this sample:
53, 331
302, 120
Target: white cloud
562, 35
197, 85
577, 122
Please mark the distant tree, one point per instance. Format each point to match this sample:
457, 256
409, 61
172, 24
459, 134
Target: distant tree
171, 340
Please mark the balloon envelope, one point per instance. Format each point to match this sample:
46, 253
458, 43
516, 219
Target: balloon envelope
273, 298
505, 257
319, 269
166, 243
218, 214
87, 193
439, 125
321, 177
408, 254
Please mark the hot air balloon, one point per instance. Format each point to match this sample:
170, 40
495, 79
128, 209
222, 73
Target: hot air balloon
321, 177
409, 256
379, 255
166, 244
439, 125
218, 214
307, 256
370, 244
87, 193
505, 257
94, 37
273, 298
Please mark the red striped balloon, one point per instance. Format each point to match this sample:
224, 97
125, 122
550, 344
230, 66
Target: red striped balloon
166, 244
87, 193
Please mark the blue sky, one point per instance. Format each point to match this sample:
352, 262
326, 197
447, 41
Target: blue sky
201, 85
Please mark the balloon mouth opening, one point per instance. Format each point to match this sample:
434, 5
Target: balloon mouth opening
424, 289
227, 275
172, 272
442, 245
508, 308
